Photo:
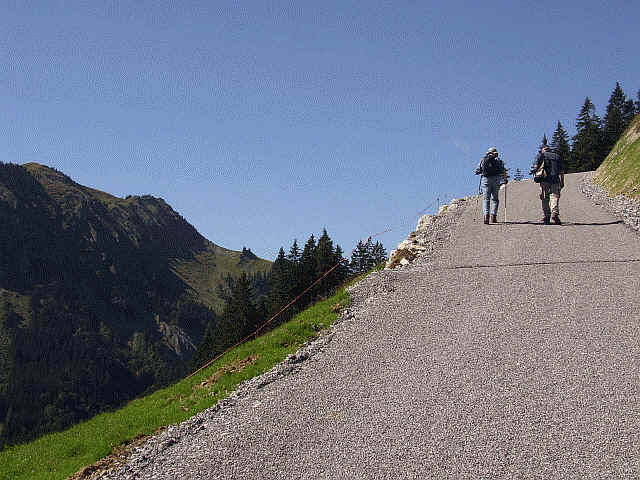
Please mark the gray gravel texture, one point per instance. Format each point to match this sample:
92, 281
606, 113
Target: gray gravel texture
512, 353
627, 209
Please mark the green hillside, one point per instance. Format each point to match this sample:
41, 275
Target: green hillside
101, 298
620, 171
206, 269
108, 435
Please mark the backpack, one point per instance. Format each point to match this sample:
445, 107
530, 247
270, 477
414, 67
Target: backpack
541, 173
491, 166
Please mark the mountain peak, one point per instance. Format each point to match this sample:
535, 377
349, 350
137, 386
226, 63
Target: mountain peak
126, 284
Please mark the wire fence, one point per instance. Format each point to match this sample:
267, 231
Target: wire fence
402, 223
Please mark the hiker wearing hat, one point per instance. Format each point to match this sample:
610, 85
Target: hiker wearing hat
548, 171
491, 167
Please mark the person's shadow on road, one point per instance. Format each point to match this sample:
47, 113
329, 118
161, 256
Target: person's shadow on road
563, 223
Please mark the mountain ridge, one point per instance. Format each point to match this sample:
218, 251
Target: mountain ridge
125, 284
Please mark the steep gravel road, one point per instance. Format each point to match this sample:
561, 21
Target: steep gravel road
513, 353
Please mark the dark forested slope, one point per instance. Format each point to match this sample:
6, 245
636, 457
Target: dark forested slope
101, 298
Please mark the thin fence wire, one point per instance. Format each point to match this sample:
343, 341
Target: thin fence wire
294, 300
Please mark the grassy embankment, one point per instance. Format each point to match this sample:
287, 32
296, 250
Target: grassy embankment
58, 455
620, 171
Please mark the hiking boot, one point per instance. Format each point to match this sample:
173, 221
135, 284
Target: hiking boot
556, 220
494, 219
545, 220
486, 219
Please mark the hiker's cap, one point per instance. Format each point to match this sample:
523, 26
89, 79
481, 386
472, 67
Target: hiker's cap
492, 150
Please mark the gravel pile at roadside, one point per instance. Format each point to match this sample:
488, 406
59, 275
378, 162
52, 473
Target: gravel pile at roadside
626, 209
375, 286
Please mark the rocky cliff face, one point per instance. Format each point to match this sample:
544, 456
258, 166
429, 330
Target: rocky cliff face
175, 338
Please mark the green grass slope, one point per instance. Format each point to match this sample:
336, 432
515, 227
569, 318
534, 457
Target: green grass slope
204, 271
620, 171
58, 455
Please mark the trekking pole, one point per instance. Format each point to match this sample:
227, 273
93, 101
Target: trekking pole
505, 201
506, 181
478, 198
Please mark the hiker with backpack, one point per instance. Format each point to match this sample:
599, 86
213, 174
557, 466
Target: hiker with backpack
491, 167
548, 171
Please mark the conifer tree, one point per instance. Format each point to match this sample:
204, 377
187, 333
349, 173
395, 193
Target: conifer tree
366, 256
259, 286
295, 272
308, 268
279, 286
261, 308
239, 318
294, 252
342, 272
638, 104
358, 262
324, 261
560, 144
586, 153
629, 112
614, 121
206, 347
378, 254
324, 253
225, 287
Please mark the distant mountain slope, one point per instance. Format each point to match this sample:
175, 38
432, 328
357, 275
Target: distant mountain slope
101, 297
620, 171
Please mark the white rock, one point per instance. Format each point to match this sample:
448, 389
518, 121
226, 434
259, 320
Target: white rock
404, 261
442, 209
424, 222
404, 244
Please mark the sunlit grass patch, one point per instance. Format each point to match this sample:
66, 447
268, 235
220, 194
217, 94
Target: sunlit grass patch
58, 455
620, 171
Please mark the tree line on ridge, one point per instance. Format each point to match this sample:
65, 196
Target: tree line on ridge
595, 136
291, 274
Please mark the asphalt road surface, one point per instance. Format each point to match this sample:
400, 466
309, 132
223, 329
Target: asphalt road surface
514, 353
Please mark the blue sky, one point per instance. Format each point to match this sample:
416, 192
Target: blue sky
261, 122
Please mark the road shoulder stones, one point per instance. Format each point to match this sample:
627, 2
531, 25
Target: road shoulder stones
431, 233
626, 209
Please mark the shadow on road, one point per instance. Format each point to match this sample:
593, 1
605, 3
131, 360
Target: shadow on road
564, 224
